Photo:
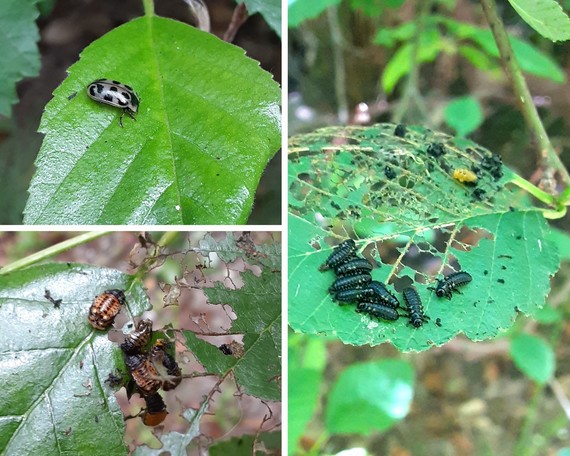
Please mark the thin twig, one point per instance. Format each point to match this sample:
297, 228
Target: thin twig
339, 68
547, 156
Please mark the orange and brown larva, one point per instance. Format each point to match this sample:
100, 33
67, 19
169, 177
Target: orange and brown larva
105, 308
155, 412
144, 373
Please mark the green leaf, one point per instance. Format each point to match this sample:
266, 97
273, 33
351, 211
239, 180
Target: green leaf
53, 364
545, 16
269, 9
531, 59
207, 125
414, 228
478, 59
244, 445
370, 397
401, 62
561, 239
257, 306
464, 115
302, 10
19, 57
389, 36
534, 357
548, 315
306, 365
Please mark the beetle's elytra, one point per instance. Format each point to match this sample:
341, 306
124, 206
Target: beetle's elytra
105, 308
116, 94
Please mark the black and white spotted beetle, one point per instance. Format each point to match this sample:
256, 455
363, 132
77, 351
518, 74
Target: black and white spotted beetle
341, 253
450, 284
415, 308
115, 94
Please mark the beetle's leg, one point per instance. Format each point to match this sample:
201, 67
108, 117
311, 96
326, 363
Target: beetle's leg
130, 114
121, 118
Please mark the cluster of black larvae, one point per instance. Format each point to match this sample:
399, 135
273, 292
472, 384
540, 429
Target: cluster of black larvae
354, 284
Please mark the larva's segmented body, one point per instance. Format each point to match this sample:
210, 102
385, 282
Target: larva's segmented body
352, 267
354, 281
378, 310
450, 283
144, 373
105, 308
341, 253
159, 354
383, 295
415, 307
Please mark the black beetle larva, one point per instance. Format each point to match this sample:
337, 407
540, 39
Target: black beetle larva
450, 284
383, 295
354, 281
378, 310
415, 308
354, 266
400, 130
138, 338
340, 254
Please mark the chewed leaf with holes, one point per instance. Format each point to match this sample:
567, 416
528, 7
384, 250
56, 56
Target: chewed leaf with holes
257, 305
420, 205
53, 364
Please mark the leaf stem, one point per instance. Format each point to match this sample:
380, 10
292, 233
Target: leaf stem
148, 8
339, 64
52, 251
547, 157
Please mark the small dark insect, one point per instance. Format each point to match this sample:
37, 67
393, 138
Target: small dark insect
436, 149
479, 194
378, 310
56, 302
226, 349
450, 284
438, 322
113, 380
400, 130
389, 173
415, 308
138, 338
155, 412
501, 280
105, 308
354, 281
353, 267
72, 96
144, 373
383, 295
158, 353
340, 254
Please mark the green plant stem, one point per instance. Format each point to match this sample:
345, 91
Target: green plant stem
546, 198
338, 65
52, 251
547, 156
148, 6
411, 93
